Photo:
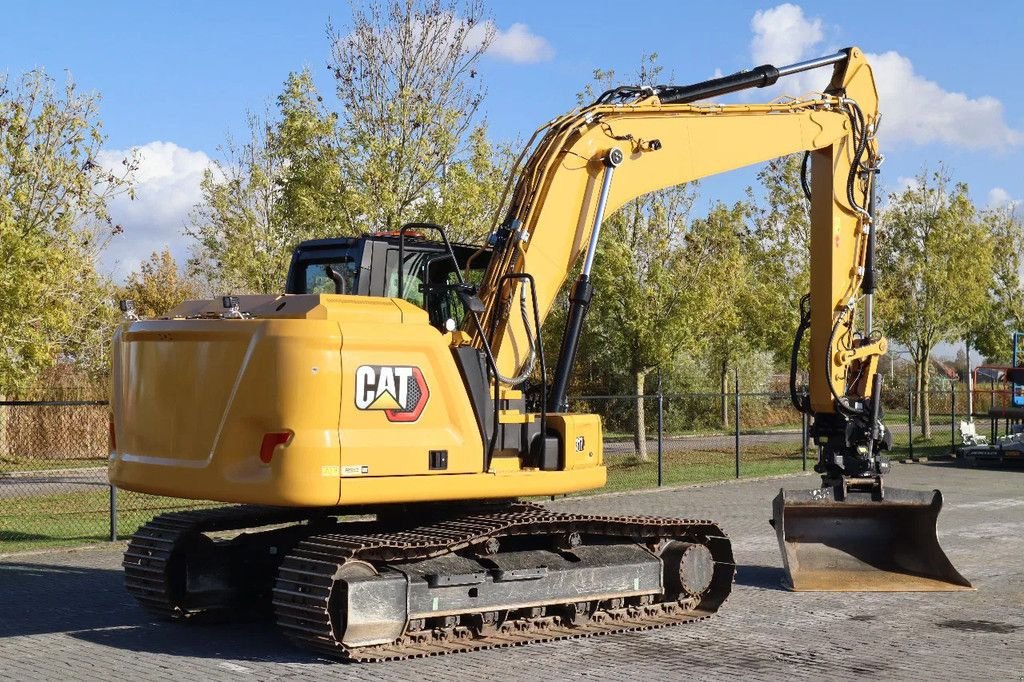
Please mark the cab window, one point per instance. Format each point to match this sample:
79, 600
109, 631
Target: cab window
413, 274
331, 277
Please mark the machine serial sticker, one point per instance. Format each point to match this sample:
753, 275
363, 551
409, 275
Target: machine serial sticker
329, 471
355, 470
400, 392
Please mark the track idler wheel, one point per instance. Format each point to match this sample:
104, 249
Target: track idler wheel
688, 568
339, 595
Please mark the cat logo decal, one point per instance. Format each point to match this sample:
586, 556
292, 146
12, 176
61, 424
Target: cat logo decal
400, 392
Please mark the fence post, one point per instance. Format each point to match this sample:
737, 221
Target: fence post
113, 514
910, 424
803, 438
992, 421
952, 418
736, 419
661, 432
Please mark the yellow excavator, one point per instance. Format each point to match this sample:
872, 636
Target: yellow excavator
371, 426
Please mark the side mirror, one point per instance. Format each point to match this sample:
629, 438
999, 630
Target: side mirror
127, 307
467, 294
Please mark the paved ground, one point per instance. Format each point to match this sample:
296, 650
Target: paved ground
65, 615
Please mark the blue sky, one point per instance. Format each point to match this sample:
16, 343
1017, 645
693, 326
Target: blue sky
176, 78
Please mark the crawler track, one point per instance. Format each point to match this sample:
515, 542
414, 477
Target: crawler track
153, 571
305, 585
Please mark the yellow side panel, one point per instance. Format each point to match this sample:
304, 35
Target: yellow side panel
582, 438
525, 483
382, 366
364, 398
192, 400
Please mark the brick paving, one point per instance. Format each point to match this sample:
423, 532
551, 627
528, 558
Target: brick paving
65, 615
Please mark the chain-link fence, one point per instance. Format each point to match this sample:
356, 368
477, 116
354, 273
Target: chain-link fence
53, 477
54, 491
696, 437
934, 430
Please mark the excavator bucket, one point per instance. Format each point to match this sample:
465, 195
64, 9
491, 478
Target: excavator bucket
862, 544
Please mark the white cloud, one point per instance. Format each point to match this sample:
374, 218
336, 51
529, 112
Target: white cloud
167, 187
518, 45
1000, 198
515, 44
918, 110
903, 183
914, 109
782, 35
997, 196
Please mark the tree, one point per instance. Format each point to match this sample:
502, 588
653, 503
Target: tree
935, 267
729, 304
282, 186
643, 312
408, 88
315, 198
647, 311
403, 146
158, 285
54, 224
242, 243
780, 254
471, 189
1004, 313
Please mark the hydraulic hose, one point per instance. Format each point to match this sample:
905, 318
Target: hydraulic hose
531, 357
841, 407
799, 402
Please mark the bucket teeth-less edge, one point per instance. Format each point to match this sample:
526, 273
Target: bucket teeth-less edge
861, 544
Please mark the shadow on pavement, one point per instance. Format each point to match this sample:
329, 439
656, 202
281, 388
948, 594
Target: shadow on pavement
762, 577
248, 641
41, 598
91, 604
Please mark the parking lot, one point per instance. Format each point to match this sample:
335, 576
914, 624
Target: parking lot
65, 614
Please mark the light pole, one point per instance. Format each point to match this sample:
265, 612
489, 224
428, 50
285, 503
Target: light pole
892, 353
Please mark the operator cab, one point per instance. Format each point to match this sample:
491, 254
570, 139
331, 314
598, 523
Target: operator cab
369, 266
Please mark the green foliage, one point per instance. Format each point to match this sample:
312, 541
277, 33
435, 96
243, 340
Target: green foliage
935, 256
780, 255
53, 225
671, 289
280, 187
721, 241
469, 195
315, 199
408, 91
645, 308
642, 313
1004, 313
158, 285
403, 146
242, 243
935, 260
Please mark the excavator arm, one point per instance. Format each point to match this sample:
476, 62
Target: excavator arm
634, 141
850, 534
